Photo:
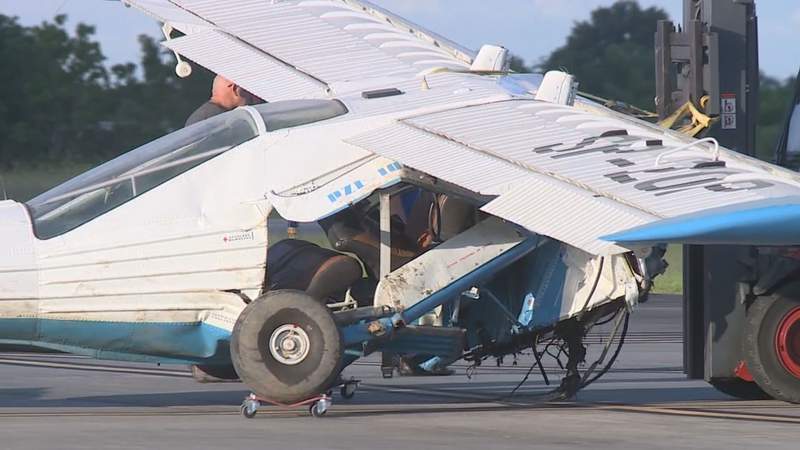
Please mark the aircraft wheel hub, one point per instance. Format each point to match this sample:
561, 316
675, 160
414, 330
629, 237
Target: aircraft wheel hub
289, 344
787, 342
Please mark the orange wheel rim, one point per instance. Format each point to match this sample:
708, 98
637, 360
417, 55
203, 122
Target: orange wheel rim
787, 342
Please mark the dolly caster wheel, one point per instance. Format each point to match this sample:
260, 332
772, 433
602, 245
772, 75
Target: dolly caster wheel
319, 407
348, 391
249, 408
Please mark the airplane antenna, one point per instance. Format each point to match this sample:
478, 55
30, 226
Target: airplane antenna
3, 186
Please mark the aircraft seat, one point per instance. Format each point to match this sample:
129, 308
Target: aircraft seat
347, 233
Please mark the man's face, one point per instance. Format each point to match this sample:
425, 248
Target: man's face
227, 94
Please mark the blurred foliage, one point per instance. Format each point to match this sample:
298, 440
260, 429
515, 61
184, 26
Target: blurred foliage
60, 104
612, 54
775, 98
517, 64
671, 281
612, 57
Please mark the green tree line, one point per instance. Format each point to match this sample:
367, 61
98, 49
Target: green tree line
60, 102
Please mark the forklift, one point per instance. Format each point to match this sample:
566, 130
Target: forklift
741, 304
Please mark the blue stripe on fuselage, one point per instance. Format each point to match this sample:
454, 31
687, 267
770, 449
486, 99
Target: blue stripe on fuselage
168, 343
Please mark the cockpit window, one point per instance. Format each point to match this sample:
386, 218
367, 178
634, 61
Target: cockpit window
109, 185
294, 113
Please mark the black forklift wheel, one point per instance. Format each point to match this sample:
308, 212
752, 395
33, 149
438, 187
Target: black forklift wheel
772, 346
286, 347
738, 388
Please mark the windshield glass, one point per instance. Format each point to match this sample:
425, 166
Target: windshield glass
105, 187
295, 113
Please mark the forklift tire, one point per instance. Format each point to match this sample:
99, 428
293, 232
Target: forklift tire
741, 389
772, 346
286, 347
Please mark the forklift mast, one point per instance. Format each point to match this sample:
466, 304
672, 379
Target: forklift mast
713, 54
712, 61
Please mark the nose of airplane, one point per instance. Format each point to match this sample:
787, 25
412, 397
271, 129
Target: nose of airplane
757, 223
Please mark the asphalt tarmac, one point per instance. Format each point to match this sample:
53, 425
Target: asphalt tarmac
65, 402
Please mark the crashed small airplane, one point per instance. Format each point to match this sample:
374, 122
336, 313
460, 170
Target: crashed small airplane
492, 212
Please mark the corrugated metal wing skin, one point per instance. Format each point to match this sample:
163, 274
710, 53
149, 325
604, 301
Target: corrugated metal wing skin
166, 11
339, 43
569, 174
441, 158
610, 157
310, 34
536, 202
566, 213
254, 70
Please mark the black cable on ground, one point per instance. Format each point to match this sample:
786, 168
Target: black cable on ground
614, 357
610, 318
557, 392
524, 380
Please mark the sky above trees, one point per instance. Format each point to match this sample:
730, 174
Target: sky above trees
530, 28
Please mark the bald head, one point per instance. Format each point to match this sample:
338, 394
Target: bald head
227, 94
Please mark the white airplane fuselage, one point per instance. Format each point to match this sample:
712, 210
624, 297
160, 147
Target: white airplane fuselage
162, 276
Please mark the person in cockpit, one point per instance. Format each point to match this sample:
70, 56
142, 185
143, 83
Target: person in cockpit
225, 96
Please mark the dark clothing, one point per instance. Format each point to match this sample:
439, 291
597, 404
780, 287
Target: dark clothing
292, 263
205, 111
303, 266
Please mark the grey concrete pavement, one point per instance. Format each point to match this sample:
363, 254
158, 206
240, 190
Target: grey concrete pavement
62, 402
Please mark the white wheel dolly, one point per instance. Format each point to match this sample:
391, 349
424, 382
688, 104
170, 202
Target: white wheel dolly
317, 406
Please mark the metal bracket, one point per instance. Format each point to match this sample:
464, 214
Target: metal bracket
183, 69
386, 233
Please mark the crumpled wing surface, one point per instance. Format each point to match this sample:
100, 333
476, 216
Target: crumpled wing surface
290, 49
573, 175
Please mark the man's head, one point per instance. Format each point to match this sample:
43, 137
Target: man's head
227, 94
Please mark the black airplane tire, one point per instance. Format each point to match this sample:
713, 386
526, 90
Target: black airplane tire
741, 389
773, 368
214, 374
286, 347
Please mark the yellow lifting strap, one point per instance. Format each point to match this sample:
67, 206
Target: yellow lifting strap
700, 120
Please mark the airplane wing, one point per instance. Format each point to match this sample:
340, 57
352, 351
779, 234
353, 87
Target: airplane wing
295, 49
584, 175
579, 176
